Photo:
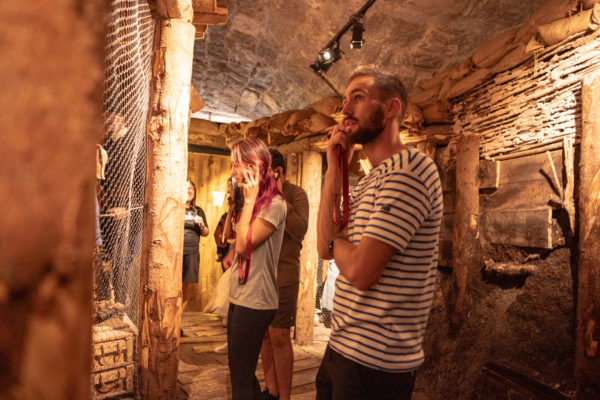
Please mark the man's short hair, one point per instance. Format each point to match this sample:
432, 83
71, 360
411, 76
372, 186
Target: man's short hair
390, 85
277, 160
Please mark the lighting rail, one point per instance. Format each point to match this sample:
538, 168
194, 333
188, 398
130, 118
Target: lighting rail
332, 53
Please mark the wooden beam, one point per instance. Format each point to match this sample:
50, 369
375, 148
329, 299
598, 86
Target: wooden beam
204, 5
518, 227
465, 239
587, 351
202, 139
211, 18
196, 103
526, 182
316, 143
489, 174
205, 127
435, 130
312, 166
161, 303
200, 30
508, 268
445, 243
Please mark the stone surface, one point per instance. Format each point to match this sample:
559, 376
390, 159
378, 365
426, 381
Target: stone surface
258, 63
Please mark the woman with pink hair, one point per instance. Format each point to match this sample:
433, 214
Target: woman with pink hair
253, 292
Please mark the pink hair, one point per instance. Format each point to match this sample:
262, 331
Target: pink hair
253, 151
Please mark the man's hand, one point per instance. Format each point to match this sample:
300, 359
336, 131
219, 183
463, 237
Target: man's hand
337, 137
228, 259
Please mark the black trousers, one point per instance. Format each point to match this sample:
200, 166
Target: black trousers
246, 328
342, 379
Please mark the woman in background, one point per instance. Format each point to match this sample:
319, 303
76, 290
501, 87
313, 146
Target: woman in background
224, 239
194, 227
253, 287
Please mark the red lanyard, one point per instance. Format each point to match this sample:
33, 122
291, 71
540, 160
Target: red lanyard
243, 272
343, 163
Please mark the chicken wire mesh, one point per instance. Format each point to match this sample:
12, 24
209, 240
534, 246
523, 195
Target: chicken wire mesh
121, 173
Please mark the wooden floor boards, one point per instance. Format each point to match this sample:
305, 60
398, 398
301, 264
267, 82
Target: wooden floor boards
204, 374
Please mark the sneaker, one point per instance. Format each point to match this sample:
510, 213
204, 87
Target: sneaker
222, 349
268, 396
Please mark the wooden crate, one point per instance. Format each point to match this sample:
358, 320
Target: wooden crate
112, 382
112, 347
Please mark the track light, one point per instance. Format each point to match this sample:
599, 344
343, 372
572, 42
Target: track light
327, 57
331, 52
357, 34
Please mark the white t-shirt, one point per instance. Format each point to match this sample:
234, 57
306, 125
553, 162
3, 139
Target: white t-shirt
260, 290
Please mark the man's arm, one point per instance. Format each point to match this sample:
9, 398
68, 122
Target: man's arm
363, 264
330, 192
326, 229
296, 222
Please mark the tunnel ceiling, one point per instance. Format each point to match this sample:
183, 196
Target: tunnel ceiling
258, 63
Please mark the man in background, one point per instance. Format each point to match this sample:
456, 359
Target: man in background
277, 353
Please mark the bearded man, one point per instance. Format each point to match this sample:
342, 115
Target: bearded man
387, 254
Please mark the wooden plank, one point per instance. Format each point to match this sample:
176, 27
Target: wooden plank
465, 229
448, 178
312, 166
200, 30
445, 243
525, 183
204, 5
202, 139
199, 125
489, 174
219, 17
587, 351
518, 227
196, 102
449, 202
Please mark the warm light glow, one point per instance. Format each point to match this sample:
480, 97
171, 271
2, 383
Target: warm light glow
218, 198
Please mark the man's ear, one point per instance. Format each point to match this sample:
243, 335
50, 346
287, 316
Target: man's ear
393, 107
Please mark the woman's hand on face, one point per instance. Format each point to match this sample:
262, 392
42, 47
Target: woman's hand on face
252, 181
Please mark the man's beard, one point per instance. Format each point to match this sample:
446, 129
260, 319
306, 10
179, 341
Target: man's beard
371, 130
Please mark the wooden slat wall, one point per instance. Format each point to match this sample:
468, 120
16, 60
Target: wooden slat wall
537, 102
209, 173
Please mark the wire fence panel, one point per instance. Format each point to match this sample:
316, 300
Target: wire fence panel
121, 170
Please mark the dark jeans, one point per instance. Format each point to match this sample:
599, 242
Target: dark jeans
342, 379
246, 328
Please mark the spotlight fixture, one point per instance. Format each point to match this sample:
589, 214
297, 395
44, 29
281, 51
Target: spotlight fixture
327, 57
357, 34
332, 53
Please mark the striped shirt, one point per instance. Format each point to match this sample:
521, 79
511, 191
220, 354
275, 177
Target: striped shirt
399, 203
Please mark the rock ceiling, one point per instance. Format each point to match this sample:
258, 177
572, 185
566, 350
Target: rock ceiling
258, 63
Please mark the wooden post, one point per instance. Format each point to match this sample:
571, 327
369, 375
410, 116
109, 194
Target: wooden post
311, 182
587, 353
465, 238
293, 163
161, 305
51, 119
